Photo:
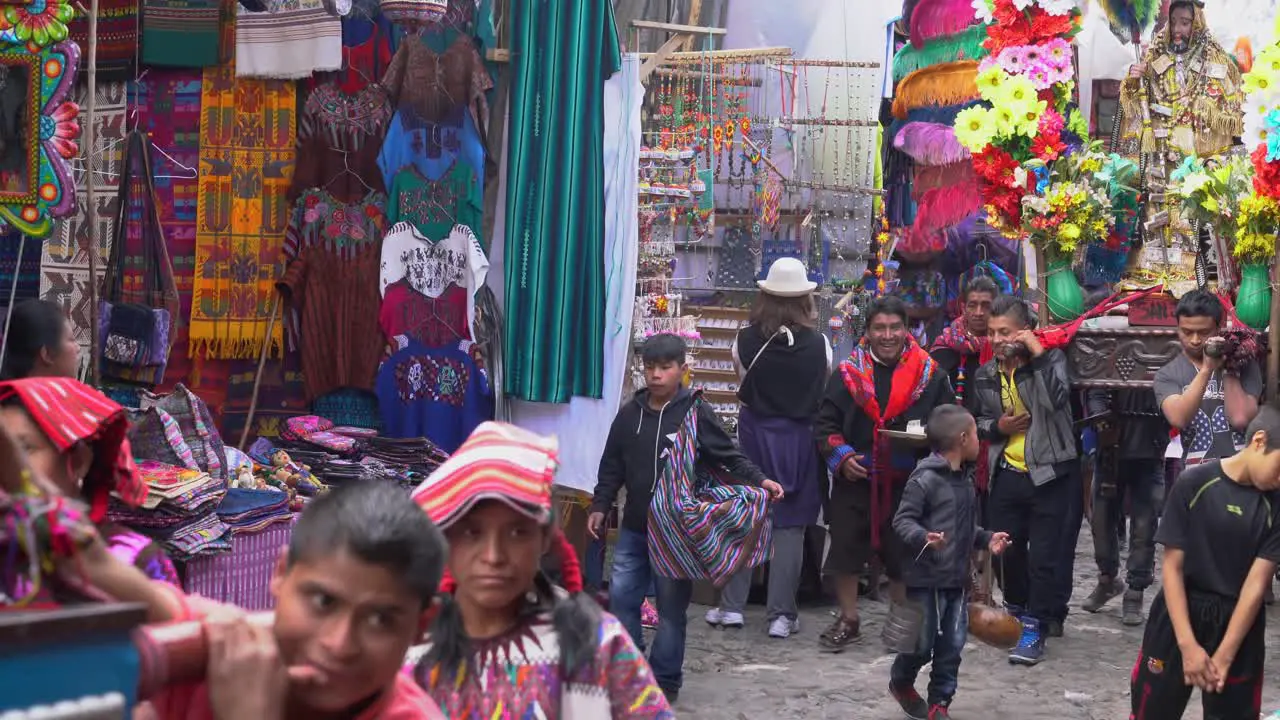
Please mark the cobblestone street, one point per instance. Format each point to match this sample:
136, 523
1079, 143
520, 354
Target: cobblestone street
744, 674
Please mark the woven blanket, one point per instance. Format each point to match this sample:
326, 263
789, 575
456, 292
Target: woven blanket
247, 136
25, 271
293, 41
64, 264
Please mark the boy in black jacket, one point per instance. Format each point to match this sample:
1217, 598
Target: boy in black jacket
635, 456
938, 521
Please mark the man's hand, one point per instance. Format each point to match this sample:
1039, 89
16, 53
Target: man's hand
1212, 364
853, 470
774, 489
595, 524
1198, 669
1137, 70
1031, 341
936, 539
1010, 424
247, 678
999, 543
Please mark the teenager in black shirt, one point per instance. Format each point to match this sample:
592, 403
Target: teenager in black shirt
1221, 533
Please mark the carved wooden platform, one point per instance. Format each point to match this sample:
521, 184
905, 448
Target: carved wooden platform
1120, 358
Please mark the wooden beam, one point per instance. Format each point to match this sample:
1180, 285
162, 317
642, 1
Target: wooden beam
695, 17
676, 28
498, 55
667, 50
748, 54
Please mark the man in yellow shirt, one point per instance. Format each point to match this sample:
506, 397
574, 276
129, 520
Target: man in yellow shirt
1024, 412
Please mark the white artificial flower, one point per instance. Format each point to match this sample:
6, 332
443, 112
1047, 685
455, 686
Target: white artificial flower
1058, 7
1020, 176
983, 10
1255, 130
1023, 4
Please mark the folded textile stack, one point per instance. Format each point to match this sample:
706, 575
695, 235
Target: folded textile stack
319, 432
249, 511
179, 511
418, 454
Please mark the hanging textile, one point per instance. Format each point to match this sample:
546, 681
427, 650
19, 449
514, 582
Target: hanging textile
562, 53
24, 270
117, 39
435, 207
580, 459
293, 40
439, 393
182, 33
64, 262
339, 136
246, 159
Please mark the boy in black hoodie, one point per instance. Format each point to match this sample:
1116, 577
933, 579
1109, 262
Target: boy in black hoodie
938, 521
634, 458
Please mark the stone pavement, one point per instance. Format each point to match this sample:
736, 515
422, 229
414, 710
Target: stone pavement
745, 675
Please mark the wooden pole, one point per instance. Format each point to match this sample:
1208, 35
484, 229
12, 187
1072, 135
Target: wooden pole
257, 378
1273, 334
90, 165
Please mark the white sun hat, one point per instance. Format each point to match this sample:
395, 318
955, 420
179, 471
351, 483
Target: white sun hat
787, 278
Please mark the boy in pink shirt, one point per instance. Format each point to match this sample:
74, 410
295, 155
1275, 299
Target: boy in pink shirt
353, 591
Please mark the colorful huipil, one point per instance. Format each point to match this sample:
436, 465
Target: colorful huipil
1187, 103
518, 675
562, 52
440, 393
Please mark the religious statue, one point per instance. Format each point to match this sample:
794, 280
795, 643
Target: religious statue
1183, 98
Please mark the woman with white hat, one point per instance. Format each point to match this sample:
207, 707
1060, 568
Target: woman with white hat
783, 364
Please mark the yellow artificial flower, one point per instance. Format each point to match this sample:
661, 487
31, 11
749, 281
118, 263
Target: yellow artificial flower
1091, 164
1027, 114
1016, 89
990, 81
975, 128
1004, 121
1259, 82
1069, 231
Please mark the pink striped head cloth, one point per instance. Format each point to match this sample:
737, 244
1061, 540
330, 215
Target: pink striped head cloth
498, 462
70, 412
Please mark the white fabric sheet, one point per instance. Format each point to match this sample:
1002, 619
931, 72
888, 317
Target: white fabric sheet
583, 424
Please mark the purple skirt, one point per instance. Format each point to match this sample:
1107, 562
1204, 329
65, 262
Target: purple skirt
785, 451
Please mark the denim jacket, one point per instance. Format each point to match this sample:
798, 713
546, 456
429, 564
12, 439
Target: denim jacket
1045, 389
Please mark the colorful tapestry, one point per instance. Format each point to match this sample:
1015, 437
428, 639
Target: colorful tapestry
64, 264
247, 136
19, 268
168, 107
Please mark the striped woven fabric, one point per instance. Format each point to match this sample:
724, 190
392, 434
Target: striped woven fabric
498, 462
702, 527
70, 412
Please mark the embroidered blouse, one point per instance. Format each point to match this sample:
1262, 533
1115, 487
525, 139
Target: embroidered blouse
321, 220
335, 300
434, 207
339, 137
439, 393
430, 85
432, 148
518, 675
431, 321
431, 267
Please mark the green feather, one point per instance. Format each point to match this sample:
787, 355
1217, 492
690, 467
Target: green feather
962, 46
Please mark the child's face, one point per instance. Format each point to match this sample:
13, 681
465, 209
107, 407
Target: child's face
1263, 464
352, 620
969, 442
663, 378
494, 554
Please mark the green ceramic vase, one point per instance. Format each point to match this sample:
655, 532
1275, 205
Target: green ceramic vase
1253, 299
1066, 297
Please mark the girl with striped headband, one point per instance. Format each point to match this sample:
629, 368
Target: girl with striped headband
506, 641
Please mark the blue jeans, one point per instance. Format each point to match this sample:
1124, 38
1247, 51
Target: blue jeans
942, 638
632, 577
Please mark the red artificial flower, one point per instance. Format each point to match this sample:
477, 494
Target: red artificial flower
1047, 146
1026, 27
995, 166
1051, 122
1266, 175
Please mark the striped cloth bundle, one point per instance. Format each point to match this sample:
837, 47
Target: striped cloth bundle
497, 462
699, 526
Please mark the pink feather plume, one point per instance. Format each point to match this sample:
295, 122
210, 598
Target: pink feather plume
932, 177
943, 207
933, 19
930, 144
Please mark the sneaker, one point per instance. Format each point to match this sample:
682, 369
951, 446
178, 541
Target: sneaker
840, 635
648, 616
784, 627
1105, 592
938, 712
1030, 649
1132, 608
732, 620
913, 706
715, 616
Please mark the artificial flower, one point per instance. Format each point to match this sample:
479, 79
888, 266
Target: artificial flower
1058, 7
1273, 147
1048, 147
1051, 122
1027, 116
1023, 4
994, 165
1191, 165
1258, 82
989, 82
1013, 60
1077, 125
61, 129
975, 128
1266, 174
1040, 76
982, 9
1267, 61
1006, 119
1057, 53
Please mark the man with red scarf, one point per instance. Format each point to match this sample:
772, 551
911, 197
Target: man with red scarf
888, 381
